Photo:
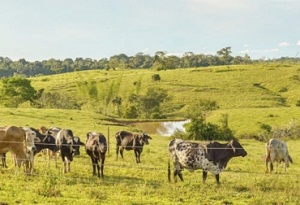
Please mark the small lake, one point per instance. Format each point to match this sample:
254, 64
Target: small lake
161, 128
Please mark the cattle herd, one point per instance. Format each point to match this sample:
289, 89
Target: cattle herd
25, 142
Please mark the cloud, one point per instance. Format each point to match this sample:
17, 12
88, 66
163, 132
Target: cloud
298, 43
283, 44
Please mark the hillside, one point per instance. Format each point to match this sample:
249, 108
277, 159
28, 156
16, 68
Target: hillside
250, 94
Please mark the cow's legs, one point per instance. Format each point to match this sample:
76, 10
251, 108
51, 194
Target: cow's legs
117, 152
94, 164
137, 156
102, 166
121, 152
217, 178
204, 175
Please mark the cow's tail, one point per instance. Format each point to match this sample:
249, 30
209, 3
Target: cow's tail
290, 159
169, 171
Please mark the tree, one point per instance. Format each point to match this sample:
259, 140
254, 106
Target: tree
225, 56
15, 91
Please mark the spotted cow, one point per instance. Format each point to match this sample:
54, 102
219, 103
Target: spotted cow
211, 157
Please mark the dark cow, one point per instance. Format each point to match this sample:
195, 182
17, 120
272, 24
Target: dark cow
46, 141
277, 151
96, 147
77, 143
130, 141
212, 157
3, 159
64, 142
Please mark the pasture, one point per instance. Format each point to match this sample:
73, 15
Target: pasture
243, 182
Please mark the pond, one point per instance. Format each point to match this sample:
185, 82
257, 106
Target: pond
161, 128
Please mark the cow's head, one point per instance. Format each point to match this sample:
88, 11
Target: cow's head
77, 143
237, 148
97, 142
30, 140
144, 138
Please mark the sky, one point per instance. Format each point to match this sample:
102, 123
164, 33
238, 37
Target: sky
60, 29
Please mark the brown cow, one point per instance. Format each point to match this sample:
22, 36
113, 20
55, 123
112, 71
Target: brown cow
131, 141
21, 143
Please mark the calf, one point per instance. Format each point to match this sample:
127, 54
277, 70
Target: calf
130, 141
277, 151
96, 147
212, 157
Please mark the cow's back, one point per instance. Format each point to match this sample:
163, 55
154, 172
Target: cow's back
277, 148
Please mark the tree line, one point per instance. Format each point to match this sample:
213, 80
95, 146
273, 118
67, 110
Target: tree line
160, 61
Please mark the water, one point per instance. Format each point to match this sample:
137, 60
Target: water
161, 128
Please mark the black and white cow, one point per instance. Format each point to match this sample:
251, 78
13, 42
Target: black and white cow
96, 147
212, 157
130, 141
65, 143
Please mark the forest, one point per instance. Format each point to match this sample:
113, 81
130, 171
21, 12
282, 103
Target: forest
160, 61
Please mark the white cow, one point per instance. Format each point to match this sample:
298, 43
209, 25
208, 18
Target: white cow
277, 151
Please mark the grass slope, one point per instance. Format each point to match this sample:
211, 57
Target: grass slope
250, 94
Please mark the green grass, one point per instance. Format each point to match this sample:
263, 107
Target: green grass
125, 182
251, 95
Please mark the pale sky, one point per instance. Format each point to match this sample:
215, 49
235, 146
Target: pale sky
44, 29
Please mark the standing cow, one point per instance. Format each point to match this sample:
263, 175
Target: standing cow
277, 151
21, 143
65, 143
96, 147
130, 141
212, 157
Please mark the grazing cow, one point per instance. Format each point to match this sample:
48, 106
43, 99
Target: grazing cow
21, 143
65, 143
130, 141
212, 157
277, 151
96, 147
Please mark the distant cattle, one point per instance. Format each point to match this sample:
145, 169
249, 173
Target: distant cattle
21, 143
277, 150
131, 141
96, 147
211, 157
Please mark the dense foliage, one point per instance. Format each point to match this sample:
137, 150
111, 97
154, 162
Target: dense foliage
160, 61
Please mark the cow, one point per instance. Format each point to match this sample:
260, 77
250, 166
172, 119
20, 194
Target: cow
131, 141
77, 143
3, 159
96, 147
65, 143
210, 157
19, 141
277, 150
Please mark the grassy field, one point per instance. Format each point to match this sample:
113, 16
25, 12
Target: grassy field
243, 182
250, 95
